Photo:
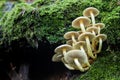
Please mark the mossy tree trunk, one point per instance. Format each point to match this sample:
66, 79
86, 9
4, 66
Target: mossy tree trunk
50, 20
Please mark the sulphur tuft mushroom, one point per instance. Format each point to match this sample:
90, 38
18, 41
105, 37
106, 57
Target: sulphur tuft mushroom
81, 22
91, 12
81, 45
57, 57
78, 58
93, 30
71, 35
99, 39
87, 36
70, 42
63, 49
99, 26
68, 65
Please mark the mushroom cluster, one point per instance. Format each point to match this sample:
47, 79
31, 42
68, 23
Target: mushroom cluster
82, 46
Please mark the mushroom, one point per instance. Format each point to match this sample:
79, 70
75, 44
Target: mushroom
99, 38
70, 42
71, 35
78, 58
99, 26
80, 32
93, 30
87, 36
69, 66
81, 22
80, 45
91, 12
63, 49
57, 57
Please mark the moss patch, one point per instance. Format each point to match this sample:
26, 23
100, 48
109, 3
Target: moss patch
52, 19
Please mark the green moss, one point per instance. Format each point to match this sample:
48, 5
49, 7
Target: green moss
106, 67
14, 24
112, 22
2, 5
52, 19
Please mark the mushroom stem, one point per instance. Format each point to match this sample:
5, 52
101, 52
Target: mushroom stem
93, 32
69, 66
89, 48
73, 39
92, 18
94, 44
64, 51
82, 49
78, 64
98, 30
82, 26
100, 46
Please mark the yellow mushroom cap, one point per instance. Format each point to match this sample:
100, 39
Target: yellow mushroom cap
101, 25
57, 57
87, 11
80, 43
76, 22
60, 48
90, 29
68, 35
102, 36
83, 35
72, 54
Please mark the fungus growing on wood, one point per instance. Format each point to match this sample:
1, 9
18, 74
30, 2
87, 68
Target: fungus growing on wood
99, 38
81, 22
57, 57
81, 45
68, 65
70, 42
63, 49
91, 12
71, 35
99, 26
87, 36
78, 58
93, 30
